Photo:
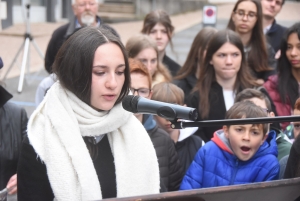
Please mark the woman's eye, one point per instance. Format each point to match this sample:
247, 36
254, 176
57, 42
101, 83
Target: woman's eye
120, 72
221, 55
235, 54
99, 73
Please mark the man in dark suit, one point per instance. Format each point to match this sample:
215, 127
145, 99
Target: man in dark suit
273, 31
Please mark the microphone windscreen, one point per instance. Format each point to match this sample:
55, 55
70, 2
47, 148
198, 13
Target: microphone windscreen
130, 103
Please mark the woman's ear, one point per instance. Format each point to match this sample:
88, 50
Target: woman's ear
150, 95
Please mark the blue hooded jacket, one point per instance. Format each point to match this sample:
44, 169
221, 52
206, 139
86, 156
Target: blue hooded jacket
216, 165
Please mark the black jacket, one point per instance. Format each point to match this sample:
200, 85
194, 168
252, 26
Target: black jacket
187, 149
275, 35
187, 84
59, 36
13, 126
171, 65
272, 63
217, 110
170, 170
33, 182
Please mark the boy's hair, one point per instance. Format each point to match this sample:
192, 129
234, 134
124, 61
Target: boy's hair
168, 93
297, 104
247, 109
137, 66
247, 94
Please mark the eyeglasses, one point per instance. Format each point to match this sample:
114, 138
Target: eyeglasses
82, 5
144, 92
241, 14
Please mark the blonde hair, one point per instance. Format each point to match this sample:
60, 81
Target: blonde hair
168, 93
140, 42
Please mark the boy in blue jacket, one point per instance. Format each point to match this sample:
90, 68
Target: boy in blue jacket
238, 154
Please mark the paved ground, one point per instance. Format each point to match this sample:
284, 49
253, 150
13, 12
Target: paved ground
186, 27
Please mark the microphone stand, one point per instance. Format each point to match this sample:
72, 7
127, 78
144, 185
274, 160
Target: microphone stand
182, 124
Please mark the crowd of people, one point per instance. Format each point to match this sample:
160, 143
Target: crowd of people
80, 144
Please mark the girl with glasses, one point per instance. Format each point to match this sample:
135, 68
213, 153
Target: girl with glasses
246, 20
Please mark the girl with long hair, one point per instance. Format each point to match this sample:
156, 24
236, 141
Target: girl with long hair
144, 49
223, 74
284, 87
82, 144
158, 25
246, 20
187, 76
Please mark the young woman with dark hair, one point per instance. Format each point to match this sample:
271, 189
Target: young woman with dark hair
284, 87
82, 144
158, 25
187, 76
223, 74
246, 20
144, 49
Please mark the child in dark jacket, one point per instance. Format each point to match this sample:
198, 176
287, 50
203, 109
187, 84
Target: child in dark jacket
238, 154
186, 143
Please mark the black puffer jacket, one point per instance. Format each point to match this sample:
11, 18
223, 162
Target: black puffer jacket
171, 172
13, 126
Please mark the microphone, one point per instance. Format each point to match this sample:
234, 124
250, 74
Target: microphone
171, 112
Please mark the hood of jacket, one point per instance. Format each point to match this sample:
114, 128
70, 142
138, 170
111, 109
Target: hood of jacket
268, 147
148, 122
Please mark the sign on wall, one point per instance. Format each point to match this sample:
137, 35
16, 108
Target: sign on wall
209, 15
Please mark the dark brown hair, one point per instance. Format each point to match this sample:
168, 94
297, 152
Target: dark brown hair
207, 73
138, 67
74, 61
247, 94
168, 93
158, 16
287, 85
195, 55
247, 109
257, 56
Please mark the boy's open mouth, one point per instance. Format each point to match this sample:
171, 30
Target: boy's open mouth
244, 148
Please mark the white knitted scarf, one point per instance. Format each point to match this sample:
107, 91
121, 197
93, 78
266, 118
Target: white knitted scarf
55, 131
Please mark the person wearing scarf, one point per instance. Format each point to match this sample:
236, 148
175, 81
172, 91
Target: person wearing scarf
82, 144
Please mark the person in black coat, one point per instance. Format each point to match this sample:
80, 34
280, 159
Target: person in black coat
13, 127
224, 73
84, 16
158, 25
187, 76
186, 143
171, 171
273, 31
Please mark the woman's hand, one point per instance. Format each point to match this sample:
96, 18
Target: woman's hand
12, 185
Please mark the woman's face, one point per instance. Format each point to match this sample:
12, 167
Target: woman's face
148, 57
293, 50
107, 76
245, 17
160, 34
227, 61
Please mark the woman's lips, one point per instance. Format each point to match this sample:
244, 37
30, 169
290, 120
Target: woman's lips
109, 97
295, 61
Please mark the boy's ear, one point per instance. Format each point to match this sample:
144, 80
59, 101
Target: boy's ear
264, 139
271, 114
225, 129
